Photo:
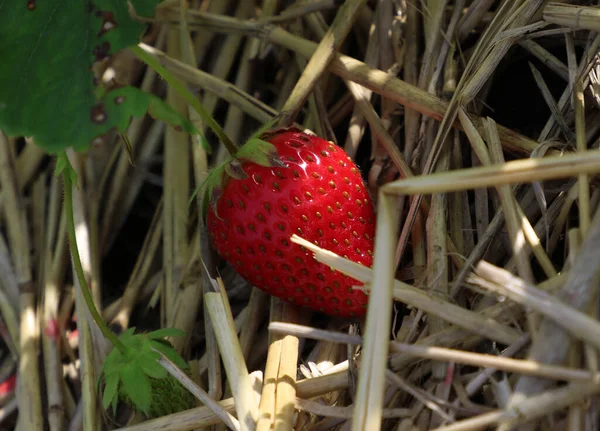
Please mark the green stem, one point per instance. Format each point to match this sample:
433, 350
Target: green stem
182, 90
79, 267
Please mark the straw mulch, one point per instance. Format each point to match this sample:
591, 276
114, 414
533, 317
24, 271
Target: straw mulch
476, 126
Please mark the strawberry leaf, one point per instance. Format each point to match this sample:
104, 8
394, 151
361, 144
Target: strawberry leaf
113, 363
149, 363
166, 349
136, 385
110, 390
127, 335
137, 370
54, 48
166, 332
115, 404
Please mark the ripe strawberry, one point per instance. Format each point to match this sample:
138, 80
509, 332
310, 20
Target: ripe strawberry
312, 189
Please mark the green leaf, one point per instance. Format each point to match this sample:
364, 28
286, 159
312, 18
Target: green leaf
63, 166
113, 362
62, 161
115, 404
260, 152
72, 175
160, 110
49, 91
144, 7
167, 350
110, 390
149, 363
137, 103
137, 386
127, 335
166, 332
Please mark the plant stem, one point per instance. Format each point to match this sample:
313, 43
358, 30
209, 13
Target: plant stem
178, 86
68, 184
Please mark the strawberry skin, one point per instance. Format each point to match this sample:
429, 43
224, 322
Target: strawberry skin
319, 196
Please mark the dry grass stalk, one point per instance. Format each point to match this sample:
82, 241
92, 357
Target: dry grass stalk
519, 366
203, 416
577, 292
257, 309
319, 409
320, 59
185, 421
393, 47
457, 337
574, 16
481, 151
474, 14
513, 19
432, 23
371, 378
509, 206
8, 310
551, 61
29, 395
245, 76
361, 97
188, 383
576, 359
176, 183
54, 260
517, 171
233, 359
356, 129
223, 65
437, 256
503, 283
529, 409
583, 180
409, 295
226, 91
26, 166
420, 395
141, 270
347, 68
276, 409
554, 109
576, 73
9, 299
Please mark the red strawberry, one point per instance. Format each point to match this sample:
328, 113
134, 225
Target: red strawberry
319, 195
8, 386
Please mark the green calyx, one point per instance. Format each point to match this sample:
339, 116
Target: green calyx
136, 377
261, 152
255, 150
